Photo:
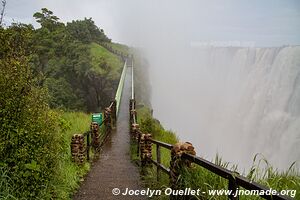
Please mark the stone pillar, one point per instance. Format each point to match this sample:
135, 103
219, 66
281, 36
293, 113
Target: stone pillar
132, 114
134, 131
77, 148
95, 135
146, 149
177, 163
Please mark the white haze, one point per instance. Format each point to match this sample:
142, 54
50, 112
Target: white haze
236, 102
233, 101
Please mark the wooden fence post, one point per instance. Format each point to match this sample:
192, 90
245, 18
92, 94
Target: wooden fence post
232, 185
158, 159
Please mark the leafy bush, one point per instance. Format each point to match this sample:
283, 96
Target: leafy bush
27, 125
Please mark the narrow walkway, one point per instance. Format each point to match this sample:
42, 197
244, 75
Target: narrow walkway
114, 168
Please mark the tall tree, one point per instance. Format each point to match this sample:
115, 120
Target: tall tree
86, 31
47, 19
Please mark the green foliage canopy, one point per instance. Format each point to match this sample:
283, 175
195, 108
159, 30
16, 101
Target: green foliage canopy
65, 63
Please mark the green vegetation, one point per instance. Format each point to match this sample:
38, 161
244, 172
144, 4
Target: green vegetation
203, 179
150, 125
68, 60
69, 174
103, 57
35, 150
104, 76
199, 178
118, 47
47, 76
28, 160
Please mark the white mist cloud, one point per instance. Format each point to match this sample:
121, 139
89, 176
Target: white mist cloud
210, 84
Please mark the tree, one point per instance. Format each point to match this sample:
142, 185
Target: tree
47, 19
63, 63
86, 31
26, 122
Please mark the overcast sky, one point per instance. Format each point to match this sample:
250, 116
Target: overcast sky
134, 22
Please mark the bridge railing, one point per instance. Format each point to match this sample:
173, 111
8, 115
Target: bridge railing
144, 151
121, 86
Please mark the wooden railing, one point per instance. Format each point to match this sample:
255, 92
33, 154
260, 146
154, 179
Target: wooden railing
144, 151
94, 137
108, 127
157, 162
109, 122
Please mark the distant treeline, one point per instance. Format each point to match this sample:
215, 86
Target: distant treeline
61, 60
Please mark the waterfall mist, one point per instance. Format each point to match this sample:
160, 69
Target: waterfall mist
234, 101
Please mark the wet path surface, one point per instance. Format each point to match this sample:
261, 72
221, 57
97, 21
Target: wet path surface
114, 168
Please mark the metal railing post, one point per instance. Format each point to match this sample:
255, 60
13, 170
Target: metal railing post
158, 159
233, 186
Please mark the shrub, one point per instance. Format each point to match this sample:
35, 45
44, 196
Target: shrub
29, 135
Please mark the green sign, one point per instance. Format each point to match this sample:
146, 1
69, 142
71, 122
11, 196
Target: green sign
97, 117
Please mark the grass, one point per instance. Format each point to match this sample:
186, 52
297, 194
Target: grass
70, 174
104, 61
199, 178
7, 188
119, 47
150, 125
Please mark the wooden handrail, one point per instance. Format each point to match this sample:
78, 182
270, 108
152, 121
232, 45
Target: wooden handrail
161, 166
227, 174
235, 180
216, 169
163, 144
